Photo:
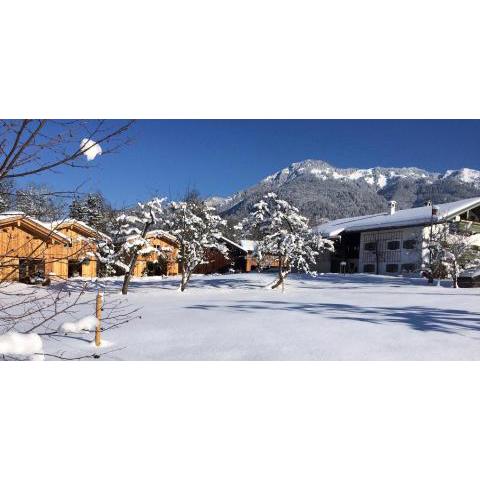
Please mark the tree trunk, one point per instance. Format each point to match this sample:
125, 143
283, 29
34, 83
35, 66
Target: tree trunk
133, 261
455, 276
183, 282
126, 282
185, 278
282, 275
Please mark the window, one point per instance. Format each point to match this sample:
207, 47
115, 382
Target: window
393, 245
392, 267
369, 268
409, 244
370, 246
408, 267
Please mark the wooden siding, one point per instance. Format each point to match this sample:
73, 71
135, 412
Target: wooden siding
81, 249
140, 268
19, 240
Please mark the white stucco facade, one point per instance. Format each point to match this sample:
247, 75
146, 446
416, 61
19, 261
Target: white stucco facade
393, 252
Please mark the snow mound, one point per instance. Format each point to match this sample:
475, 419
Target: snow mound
90, 149
86, 323
25, 344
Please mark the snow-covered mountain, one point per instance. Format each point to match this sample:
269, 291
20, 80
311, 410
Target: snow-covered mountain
321, 190
379, 177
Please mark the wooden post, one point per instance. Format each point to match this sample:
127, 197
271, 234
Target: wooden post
98, 312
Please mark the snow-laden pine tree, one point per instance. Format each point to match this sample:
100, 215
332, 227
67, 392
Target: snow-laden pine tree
94, 210
39, 201
284, 234
78, 210
133, 228
6, 194
197, 229
451, 250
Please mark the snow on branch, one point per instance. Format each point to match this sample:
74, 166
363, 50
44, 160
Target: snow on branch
90, 149
196, 228
284, 235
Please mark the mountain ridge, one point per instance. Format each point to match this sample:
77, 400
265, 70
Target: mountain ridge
322, 191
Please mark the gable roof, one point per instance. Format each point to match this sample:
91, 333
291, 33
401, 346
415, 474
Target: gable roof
401, 218
161, 234
81, 226
231, 242
9, 217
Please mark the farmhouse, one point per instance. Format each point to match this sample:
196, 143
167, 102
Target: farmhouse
395, 242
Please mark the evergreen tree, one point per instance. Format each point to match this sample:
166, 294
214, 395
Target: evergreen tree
78, 210
94, 210
6, 194
39, 202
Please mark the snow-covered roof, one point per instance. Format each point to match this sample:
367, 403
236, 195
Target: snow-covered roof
231, 242
161, 233
249, 245
401, 218
8, 216
72, 221
11, 214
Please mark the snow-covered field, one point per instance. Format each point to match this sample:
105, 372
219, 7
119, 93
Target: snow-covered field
331, 317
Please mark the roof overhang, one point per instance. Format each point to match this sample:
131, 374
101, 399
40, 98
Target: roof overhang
36, 227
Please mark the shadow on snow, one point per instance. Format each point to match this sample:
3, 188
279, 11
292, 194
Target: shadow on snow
422, 319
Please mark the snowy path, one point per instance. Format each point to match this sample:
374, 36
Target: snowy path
231, 317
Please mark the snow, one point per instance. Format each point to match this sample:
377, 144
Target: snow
331, 317
90, 149
248, 245
8, 215
466, 175
382, 181
24, 345
86, 323
401, 218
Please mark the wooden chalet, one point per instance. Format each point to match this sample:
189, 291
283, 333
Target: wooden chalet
240, 258
237, 259
80, 253
29, 249
163, 261
33, 252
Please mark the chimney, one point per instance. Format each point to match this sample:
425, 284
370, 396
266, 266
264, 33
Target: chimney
393, 206
428, 203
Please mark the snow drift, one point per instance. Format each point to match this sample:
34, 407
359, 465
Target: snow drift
86, 323
28, 345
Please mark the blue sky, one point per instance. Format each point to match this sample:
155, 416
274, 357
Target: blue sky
219, 157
